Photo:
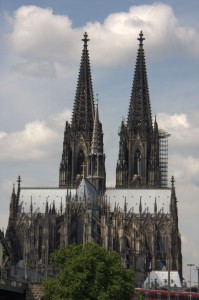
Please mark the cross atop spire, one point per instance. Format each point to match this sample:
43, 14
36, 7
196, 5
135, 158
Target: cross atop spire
141, 39
172, 181
85, 39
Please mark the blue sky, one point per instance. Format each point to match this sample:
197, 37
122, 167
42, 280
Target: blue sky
40, 53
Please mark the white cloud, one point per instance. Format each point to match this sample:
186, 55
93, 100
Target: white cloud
173, 122
58, 120
183, 128
27, 144
183, 159
37, 33
40, 34
38, 139
2, 135
38, 69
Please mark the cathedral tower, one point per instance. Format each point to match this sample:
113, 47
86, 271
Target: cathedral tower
83, 137
138, 161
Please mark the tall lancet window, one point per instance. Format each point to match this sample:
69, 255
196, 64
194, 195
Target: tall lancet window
80, 162
137, 163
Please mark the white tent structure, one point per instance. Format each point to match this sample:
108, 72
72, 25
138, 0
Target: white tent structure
157, 279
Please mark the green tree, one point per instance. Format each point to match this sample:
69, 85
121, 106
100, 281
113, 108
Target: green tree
88, 273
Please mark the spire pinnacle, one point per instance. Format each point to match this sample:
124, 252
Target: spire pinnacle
85, 39
140, 205
141, 39
13, 190
97, 142
19, 181
97, 99
172, 181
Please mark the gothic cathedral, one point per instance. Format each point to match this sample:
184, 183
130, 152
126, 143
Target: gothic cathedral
138, 218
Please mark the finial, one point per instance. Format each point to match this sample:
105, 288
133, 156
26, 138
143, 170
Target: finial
172, 181
83, 165
85, 39
19, 180
97, 99
19, 186
141, 39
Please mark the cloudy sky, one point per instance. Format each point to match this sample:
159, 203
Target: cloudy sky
40, 52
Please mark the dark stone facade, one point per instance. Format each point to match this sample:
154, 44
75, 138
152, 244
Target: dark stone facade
142, 228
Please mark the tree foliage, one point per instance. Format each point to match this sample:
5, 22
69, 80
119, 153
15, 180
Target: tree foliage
88, 272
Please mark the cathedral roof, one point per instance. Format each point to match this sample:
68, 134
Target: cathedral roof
38, 197
146, 197
57, 196
86, 189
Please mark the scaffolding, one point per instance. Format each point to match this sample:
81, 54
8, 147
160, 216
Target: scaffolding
163, 156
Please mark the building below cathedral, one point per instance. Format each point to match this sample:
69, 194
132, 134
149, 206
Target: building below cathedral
138, 218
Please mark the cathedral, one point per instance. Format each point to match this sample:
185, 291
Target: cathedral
138, 218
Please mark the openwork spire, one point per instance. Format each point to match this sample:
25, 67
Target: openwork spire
83, 110
97, 139
139, 116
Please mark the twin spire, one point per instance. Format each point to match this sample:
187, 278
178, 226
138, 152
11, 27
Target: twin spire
139, 116
138, 162
83, 138
83, 110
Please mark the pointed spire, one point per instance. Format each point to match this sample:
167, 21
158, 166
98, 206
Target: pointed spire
13, 204
46, 205
173, 192
125, 208
13, 190
97, 139
139, 116
155, 125
31, 206
61, 207
53, 208
123, 141
172, 181
155, 207
83, 111
140, 205
19, 186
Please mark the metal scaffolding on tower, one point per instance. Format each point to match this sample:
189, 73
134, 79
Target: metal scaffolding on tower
163, 156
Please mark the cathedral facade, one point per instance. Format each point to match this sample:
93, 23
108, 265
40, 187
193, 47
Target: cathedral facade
138, 218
